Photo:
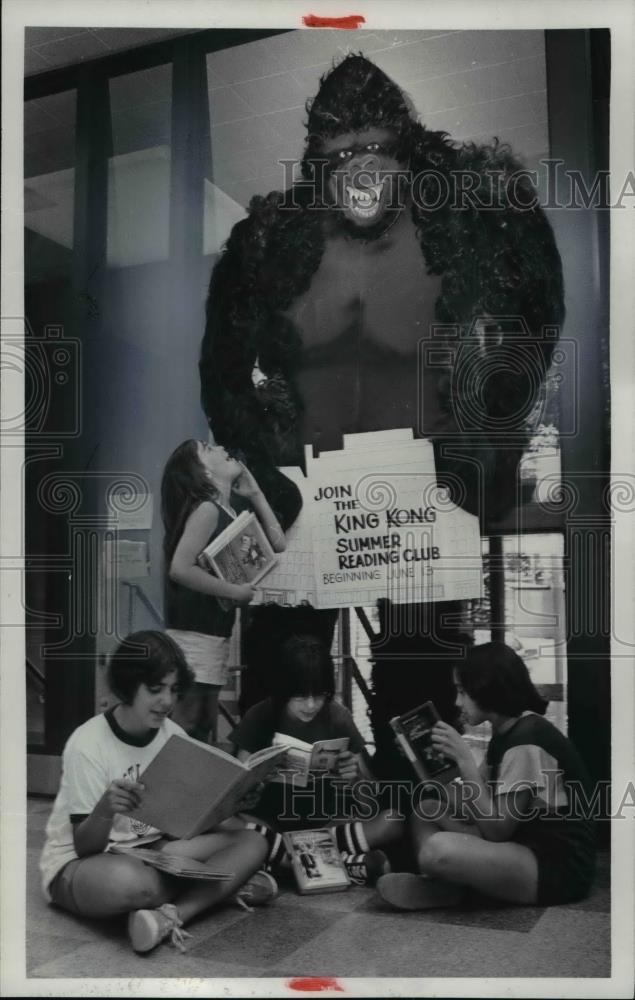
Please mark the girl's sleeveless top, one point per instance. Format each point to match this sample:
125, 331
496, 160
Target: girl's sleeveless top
192, 611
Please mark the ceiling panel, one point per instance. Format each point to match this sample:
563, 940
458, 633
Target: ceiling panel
281, 92
74, 49
38, 36
252, 61
49, 48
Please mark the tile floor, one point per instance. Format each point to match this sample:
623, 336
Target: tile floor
348, 934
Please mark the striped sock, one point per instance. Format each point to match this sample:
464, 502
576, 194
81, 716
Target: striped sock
350, 838
277, 850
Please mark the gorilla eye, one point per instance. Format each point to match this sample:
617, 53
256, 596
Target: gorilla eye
373, 147
345, 154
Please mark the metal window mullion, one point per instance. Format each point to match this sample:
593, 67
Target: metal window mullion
188, 139
497, 589
70, 684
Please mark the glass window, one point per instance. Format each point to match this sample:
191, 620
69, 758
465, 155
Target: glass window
49, 185
49, 365
139, 168
535, 622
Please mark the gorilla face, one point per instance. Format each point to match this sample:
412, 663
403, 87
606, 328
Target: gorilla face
366, 181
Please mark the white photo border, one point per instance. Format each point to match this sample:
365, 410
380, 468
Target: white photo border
617, 15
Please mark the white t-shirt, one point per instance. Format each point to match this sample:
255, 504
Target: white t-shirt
96, 754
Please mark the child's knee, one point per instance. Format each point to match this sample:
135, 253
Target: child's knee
436, 855
135, 887
253, 845
428, 810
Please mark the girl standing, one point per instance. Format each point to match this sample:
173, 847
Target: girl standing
101, 767
202, 490
516, 829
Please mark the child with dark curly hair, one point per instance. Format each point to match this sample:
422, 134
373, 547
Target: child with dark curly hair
102, 764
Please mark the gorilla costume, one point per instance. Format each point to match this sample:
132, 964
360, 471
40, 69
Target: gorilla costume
326, 315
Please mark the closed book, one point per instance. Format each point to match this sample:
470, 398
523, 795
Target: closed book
191, 787
414, 732
316, 861
241, 553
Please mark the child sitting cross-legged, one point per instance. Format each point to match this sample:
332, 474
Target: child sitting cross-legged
101, 784
516, 829
303, 707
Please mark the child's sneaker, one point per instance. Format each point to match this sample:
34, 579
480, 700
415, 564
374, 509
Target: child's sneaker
405, 891
261, 888
147, 928
365, 869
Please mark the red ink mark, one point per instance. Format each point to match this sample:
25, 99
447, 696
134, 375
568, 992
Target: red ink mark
347, 23
313, 984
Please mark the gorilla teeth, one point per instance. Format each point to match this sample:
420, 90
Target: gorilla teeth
365, 200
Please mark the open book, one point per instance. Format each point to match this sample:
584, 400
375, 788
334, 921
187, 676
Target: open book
316, 860
414, 732
191, 787
241, 553
301, 758
172, 864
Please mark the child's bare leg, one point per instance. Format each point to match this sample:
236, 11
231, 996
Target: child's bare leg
383, 829
105, 885
432, 816
201, 848
242, 854
504, 870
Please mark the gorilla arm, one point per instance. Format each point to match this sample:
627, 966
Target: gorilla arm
240, 414
496, 251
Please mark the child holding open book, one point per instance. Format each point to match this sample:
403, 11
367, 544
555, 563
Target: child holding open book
516, 828
202, 491
102, 763
303, 708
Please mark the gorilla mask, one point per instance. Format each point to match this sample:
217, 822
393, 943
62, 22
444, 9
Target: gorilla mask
359, 134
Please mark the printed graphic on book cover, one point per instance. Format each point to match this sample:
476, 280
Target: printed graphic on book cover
316, 860
414, 732
242, 553
303, 758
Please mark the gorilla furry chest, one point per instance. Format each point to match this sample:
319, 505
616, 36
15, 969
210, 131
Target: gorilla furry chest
361, 321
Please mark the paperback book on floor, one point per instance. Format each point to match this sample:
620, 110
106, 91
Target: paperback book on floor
316, 860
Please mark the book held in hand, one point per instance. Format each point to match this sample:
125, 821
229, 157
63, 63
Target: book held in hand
172, 864
241, 553
302, 758
191, 787
414, 732
317, 864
